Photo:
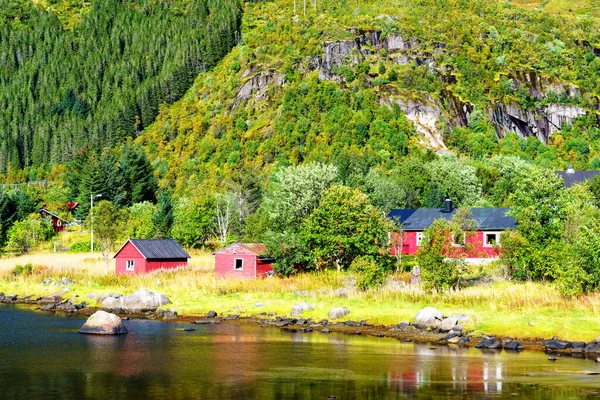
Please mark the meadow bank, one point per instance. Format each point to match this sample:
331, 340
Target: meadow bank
520, 310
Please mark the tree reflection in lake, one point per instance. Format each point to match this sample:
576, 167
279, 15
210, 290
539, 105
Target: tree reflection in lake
44, 357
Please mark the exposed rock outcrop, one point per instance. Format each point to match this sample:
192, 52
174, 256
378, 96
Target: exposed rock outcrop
541, 122
426, 114
257, 86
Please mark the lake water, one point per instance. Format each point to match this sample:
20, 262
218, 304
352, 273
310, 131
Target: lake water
43, 357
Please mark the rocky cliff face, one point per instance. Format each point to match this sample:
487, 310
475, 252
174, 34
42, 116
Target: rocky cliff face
540, 122
432, 117
256, 85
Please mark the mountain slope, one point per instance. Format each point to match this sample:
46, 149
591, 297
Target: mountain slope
364, 84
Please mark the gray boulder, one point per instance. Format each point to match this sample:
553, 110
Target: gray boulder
140, 301
515, 346
448, 324
103, 323
211, 314
298, 308
338, 312
259, 304
170, 314
428, 317
489, 343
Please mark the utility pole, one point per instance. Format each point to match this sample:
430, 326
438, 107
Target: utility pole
92, 197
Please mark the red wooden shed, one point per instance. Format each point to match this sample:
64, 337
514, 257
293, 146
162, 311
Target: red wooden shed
243, 260
140, 256
58, 223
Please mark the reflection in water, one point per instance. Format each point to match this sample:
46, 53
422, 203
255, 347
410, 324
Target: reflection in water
43, 356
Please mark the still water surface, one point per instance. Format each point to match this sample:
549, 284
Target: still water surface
43, 357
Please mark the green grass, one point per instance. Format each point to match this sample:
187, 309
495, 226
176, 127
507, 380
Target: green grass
518, 310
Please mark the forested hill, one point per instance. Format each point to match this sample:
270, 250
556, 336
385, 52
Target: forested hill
363, 84
80, 73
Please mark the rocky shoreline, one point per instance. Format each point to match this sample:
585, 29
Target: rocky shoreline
144, 304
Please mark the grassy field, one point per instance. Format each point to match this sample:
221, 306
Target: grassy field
518, 310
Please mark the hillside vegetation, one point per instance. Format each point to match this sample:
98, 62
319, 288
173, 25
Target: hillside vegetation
368, 83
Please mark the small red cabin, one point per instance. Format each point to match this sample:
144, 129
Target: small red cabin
58, 223
140, 256
243, 260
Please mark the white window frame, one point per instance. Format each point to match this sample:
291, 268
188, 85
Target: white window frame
59, 223
235, 268
130, 265
463, 244
420, 237
497, 233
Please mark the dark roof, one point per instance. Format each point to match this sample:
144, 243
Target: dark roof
488, 219
572, 177
158, 249
401, 214
50, 213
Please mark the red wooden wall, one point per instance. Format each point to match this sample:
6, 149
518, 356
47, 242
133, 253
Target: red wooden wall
252, 268
142, 266
479, 250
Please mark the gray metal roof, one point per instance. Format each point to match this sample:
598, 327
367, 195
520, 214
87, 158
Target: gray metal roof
153, 249
572, 177
488, 219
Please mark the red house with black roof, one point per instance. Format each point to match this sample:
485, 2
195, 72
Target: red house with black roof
243, 260
58, 223
140, 256
483, 243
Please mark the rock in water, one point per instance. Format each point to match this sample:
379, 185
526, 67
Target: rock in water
103, 323
428, 317
138, 302
338, 312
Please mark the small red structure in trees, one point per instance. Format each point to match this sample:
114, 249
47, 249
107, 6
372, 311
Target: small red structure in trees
483, 242
140, 256
58, 223
243, 260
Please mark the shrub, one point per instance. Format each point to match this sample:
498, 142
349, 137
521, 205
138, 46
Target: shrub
368, 274
22, 269
83, 247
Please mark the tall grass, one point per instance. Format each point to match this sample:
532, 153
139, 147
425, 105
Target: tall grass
504, 308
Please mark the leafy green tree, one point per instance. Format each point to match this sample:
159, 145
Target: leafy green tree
539, 206
384, 193
109, 228
26, 234
140, 224
15, 205
193, 220
343, 227
444, 246
451, 178
295, 192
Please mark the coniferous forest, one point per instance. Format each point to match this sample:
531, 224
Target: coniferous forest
104, 79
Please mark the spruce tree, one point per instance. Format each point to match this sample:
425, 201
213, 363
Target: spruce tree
163, 219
